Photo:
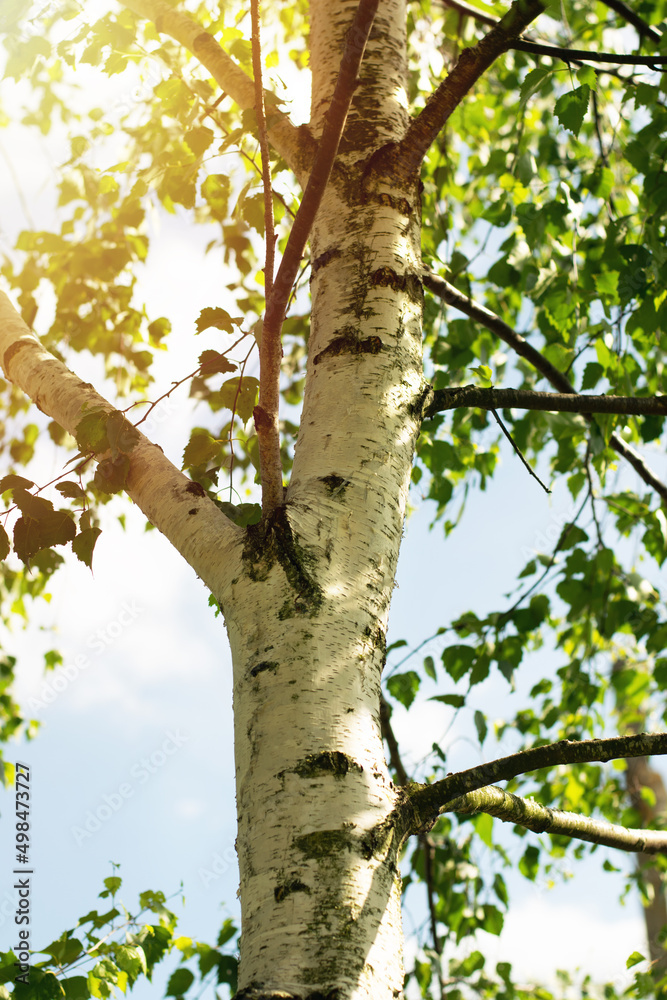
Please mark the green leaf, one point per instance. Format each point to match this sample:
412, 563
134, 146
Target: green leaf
4, 543
429, 667
593, 372
458, 660
179, 983
75, 987
11, 481
533, 82
242, 514
571, 108
212, 362
121, 434
71, 490
201, 449
634, 959
455, 700
65, 949
484, 826
228, 971
214, 317
529, 863
404, 687
91, 431
111, 474
84, 543
484, 375
215, 191
239, 395
31, 535
198, 139
481, 726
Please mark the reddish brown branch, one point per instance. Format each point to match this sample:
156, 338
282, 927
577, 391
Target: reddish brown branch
266, 413
260, 113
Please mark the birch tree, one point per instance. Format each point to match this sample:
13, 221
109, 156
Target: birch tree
435, 130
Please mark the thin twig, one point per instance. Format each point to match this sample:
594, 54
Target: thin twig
518, 451
591, 493
583, 55
266, 412
644, 30
269, 233
448, 293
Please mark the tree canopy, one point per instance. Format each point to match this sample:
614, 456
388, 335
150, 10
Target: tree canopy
540, 136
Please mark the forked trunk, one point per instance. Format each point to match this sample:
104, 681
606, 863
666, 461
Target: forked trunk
307, 615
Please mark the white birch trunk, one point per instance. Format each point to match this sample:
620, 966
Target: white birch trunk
320, 885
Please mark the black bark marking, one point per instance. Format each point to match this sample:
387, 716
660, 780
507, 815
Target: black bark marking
264, 665
331, 761
273, 541
294, 885
349, 343
14, 348
324, 259
411, 284
196, 488
336, 485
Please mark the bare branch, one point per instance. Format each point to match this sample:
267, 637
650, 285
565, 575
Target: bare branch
644, 30
422, 804
390, 739
585, 55
524, 399
518, 450
294, 145
266, 413
468, 11
448, 293
472, 63
623, 9
533, 816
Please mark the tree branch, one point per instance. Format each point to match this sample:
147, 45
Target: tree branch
266, 412
644, 29
533, 816
448, 293
422, 804
294, 144
584, 55
170, 501
472, 63
628, 14
476, 15
525, 399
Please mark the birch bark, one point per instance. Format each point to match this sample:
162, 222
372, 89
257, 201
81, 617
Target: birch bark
320, 886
